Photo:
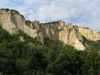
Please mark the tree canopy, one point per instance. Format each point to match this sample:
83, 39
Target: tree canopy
51, 58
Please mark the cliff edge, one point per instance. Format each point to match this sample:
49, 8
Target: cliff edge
12, 21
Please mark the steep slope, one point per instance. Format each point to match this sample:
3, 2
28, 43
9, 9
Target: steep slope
30, 57
12, 21
58, 31
89, 34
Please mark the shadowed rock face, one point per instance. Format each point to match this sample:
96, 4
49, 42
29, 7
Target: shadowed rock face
68, 34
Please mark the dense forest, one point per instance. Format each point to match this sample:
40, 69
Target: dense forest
31, 57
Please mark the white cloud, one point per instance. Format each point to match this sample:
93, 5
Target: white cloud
84, 13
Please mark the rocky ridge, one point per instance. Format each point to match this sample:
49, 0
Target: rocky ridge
12, 21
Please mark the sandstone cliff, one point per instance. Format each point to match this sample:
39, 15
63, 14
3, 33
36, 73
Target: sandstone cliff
69, 34
89, 34
58, 31
12, 21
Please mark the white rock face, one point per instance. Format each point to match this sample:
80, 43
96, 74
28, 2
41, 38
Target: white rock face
78, 45
12, 21
89, 34
21, 38
69, 34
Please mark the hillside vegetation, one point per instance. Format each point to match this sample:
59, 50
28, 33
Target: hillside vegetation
30, 57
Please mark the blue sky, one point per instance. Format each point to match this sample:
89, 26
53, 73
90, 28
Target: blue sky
83, 13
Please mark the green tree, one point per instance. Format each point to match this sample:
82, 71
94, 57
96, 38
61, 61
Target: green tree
92, 63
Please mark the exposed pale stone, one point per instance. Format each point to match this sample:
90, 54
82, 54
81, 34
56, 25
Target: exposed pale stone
36, 25
69, 34
69, 25
21, 38
28, 23
89, 34
61, 23
78, 45
11, 21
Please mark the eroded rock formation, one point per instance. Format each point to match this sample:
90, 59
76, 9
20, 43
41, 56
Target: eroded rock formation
12, 21
69, 34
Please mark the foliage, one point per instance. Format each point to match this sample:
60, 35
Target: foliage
70, 29
86, 27
50, 58
53, 22
28, 21
61, 29
7, 9
0, 25
91, 44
